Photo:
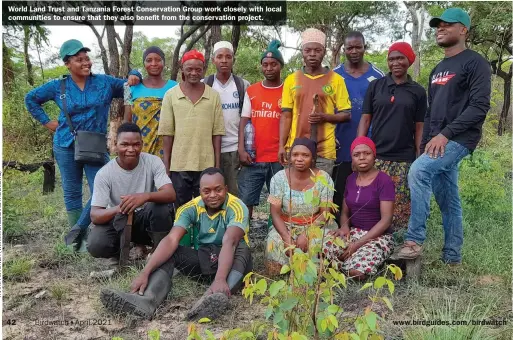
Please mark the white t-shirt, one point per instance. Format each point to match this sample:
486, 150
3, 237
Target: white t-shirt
112, 181
230, 104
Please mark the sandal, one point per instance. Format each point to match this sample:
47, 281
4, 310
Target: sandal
408, 251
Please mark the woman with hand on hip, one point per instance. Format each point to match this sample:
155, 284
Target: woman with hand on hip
87, 98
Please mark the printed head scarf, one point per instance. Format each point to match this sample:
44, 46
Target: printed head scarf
313, 35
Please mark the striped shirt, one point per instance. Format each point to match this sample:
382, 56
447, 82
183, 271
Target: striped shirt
211, 228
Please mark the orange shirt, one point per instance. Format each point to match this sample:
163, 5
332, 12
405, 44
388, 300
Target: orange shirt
263, 106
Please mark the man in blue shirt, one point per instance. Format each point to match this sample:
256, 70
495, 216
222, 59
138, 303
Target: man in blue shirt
357, 74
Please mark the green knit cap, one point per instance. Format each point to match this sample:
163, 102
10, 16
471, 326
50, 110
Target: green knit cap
273, 52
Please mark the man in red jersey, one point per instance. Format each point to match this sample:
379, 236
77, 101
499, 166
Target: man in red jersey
262, 105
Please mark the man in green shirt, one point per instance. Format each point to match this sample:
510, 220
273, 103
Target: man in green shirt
222, 254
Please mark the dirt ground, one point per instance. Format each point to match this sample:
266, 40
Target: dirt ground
60, 301
48, 294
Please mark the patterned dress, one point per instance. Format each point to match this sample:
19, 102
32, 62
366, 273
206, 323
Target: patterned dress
364, 204
293, 204
146, 103
398, 171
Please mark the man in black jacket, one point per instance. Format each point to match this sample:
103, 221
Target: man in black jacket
458, 98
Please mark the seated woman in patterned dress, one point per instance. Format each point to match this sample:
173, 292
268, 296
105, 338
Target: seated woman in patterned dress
290, 214
367, 212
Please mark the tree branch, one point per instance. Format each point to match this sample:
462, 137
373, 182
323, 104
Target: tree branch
191, 43
118, 38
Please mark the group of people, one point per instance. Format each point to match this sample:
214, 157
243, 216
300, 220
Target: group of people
378, 139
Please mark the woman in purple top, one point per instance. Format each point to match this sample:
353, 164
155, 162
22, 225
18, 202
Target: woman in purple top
367, 212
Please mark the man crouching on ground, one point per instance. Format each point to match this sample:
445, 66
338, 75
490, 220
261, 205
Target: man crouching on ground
133, 182
222, 254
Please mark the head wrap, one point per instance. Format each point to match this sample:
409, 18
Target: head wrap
273, 52
313, 35
193, 54
403, 48
154, 49
222, 44
310, 144
366, 141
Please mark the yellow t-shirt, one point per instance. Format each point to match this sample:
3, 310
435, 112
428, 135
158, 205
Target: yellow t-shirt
298, 91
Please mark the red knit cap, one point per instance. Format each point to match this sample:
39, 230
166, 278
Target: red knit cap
193, 54
404, 48
366, 141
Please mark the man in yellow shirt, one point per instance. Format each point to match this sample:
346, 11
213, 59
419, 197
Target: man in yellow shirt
191, 124
298, 113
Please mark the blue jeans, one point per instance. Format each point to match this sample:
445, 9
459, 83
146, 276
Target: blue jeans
71, 177
251, 180
440, 176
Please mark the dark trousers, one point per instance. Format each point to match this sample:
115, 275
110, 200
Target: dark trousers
104, 240
186, 184
187, 261
340, 174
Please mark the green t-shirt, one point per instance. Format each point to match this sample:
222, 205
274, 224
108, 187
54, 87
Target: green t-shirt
211, 229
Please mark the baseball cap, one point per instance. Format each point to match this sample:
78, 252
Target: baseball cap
71, 47
452, 15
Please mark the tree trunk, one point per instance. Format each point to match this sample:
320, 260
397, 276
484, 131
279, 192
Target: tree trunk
40, 62
213, 37
116, 107
126, 51
113, 49
8, 69
335, 52
28, 64
235, 38
216, 34
48, 178
206, 40
501, 128
416, 32
103, 51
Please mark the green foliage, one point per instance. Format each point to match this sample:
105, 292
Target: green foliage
59, 292
378, 59
247, 64
154, 334
25, 209
449, 309
483, 180
18, 269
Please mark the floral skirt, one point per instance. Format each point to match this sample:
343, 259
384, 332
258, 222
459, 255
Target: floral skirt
367, 259
398, 171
